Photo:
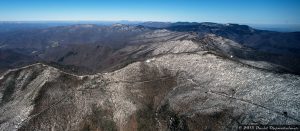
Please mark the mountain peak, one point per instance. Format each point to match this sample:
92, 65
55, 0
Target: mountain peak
119, 25
87, 25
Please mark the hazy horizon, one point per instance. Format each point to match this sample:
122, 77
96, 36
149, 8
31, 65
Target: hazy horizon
271, 27
218, 11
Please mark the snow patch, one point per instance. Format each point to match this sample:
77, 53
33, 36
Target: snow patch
150, 60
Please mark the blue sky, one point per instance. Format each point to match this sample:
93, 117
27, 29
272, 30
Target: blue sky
222, 11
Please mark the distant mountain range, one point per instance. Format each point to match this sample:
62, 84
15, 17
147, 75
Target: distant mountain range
74, 44
7, 26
